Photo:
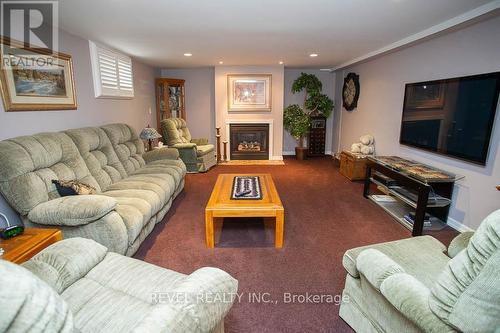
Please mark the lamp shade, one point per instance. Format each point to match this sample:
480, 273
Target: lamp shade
149, 133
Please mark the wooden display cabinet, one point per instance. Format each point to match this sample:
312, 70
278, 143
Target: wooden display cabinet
170, 97
317, 136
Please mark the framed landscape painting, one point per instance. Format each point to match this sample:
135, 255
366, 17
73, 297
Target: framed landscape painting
425, 95
249, 92
35, 80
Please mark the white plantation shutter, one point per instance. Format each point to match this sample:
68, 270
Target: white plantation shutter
112, 73
125, 75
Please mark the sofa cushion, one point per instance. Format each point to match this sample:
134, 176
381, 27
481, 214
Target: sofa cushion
149, 196
175, 163
72, 210
161, 154
112, 285
99, 155
27, 304
136, 213
127, 145
73, 187
423, 257
29, 164
204, 149
174, 131
467, 293
162, 185
63, 263
162, 170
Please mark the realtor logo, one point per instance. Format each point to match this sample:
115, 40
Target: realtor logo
33, 23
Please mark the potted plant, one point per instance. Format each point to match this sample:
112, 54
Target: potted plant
297, 123
296, 119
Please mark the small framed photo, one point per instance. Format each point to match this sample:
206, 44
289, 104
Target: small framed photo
249, 92
35, 80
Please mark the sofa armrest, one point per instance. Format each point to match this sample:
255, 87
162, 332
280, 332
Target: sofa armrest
200, 142
210, 294
184, 145
459, 243
161, 154
72, 210
376, 267
65, 262
410, 297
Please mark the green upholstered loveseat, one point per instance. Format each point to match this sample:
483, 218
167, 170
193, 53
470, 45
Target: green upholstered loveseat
411, 285
77, 285
197, 154
134, 189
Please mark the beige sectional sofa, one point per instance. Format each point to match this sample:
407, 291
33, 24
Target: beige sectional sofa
134, 189
77, 285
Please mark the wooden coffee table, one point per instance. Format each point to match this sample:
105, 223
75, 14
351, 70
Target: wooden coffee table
21, 248
221, 205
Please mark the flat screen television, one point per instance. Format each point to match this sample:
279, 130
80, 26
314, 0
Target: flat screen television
452, 117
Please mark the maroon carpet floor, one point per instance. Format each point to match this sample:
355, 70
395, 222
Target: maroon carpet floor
325, 215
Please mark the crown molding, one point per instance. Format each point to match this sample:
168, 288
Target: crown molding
429, 32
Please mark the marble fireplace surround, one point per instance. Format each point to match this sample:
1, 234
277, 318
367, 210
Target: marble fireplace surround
251, 121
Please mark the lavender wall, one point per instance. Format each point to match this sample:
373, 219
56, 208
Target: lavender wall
328, 81
91, 111
471, 50
200, 99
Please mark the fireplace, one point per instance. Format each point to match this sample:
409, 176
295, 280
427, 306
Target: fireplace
249, 141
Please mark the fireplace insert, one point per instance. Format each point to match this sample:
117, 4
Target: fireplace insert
249, 141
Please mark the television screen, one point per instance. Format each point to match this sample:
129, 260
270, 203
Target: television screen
452, 117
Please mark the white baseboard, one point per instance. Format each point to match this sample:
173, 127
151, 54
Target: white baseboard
457, 225
277, 158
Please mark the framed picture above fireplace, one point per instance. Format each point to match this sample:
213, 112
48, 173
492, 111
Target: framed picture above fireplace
249, 92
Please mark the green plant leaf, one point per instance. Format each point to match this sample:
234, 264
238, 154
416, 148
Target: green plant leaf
309, 82
296, 121
319, 103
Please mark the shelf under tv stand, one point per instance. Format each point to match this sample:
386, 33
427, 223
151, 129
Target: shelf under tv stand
403, 205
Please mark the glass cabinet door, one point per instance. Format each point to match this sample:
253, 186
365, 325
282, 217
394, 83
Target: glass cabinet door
162, 96
174, 101
169, 99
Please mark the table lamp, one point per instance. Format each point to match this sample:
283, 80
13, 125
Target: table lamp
149, 134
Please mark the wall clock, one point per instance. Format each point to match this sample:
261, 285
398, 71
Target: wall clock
350, 91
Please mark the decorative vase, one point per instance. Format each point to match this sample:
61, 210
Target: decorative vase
301, 153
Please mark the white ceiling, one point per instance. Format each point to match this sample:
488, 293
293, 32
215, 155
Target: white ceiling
253, 32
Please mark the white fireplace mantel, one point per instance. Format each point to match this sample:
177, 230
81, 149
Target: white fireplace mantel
252, 121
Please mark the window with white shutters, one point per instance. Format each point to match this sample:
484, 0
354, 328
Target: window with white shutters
112, 73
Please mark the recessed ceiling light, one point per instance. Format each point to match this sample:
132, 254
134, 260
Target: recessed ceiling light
281, 62
221, 62
313, 55
188, 54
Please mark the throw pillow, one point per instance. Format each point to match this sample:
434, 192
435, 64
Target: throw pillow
72, 187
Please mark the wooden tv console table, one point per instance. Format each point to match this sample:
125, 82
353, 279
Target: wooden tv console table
432, 187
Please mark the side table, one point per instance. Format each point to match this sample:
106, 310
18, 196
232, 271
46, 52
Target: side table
21, 248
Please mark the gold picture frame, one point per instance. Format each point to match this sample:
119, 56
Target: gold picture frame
35, 79
249, 92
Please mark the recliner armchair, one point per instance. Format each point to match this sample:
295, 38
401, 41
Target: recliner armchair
411, 285
197, 154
